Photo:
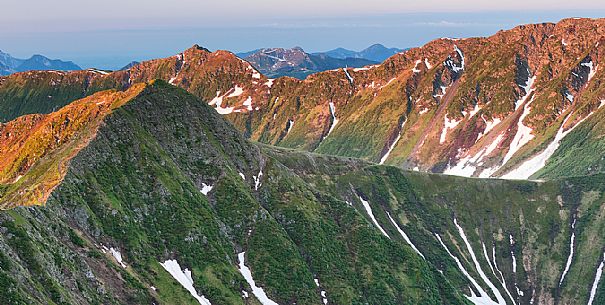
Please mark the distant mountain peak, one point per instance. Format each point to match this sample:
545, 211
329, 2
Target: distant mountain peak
376, 52
197, 47
295, 62
9, 64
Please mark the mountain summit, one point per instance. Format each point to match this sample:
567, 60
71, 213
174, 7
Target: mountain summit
297, 63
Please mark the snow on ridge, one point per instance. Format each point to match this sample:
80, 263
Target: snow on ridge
184, 278
405, 236
348, 75
368, 208
206, 188
461, 56
537, 162
392, 146
269, 82
258, 292
366, 68
597, 279
478, 268
570, 257
449, 124
449, 62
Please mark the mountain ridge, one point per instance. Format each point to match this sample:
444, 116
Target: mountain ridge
9, 64
167, 181
295, 62
376, 52
471, 107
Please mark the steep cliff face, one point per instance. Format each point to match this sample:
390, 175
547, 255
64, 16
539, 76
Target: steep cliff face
499, 106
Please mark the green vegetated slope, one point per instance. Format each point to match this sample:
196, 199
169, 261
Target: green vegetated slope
581, 151
530, 221
136, 190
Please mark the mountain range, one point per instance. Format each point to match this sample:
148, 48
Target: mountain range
9, 64
295, 62
196, 179
375, 52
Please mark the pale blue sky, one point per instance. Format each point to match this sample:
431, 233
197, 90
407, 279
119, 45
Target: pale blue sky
110, 33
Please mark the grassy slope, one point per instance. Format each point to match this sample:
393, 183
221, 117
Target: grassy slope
537, 215
136, 188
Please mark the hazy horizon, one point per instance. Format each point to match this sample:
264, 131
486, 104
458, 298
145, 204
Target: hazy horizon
111, 42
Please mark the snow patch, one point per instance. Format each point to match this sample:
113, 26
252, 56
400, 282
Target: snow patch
595, 284
537, 162
593, 70
118, 256
322, 293
523, 134
484, 277
528, 88
334, 119
206, 188
348, 75
415, 69
483, 298
242, 175
427, 64
392, 146
257, 182
442, 94
405, 236
570, 257
258, 292
493, 265
184, 278
368, 208
248, 103
289, 126
448, 124
237, 91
